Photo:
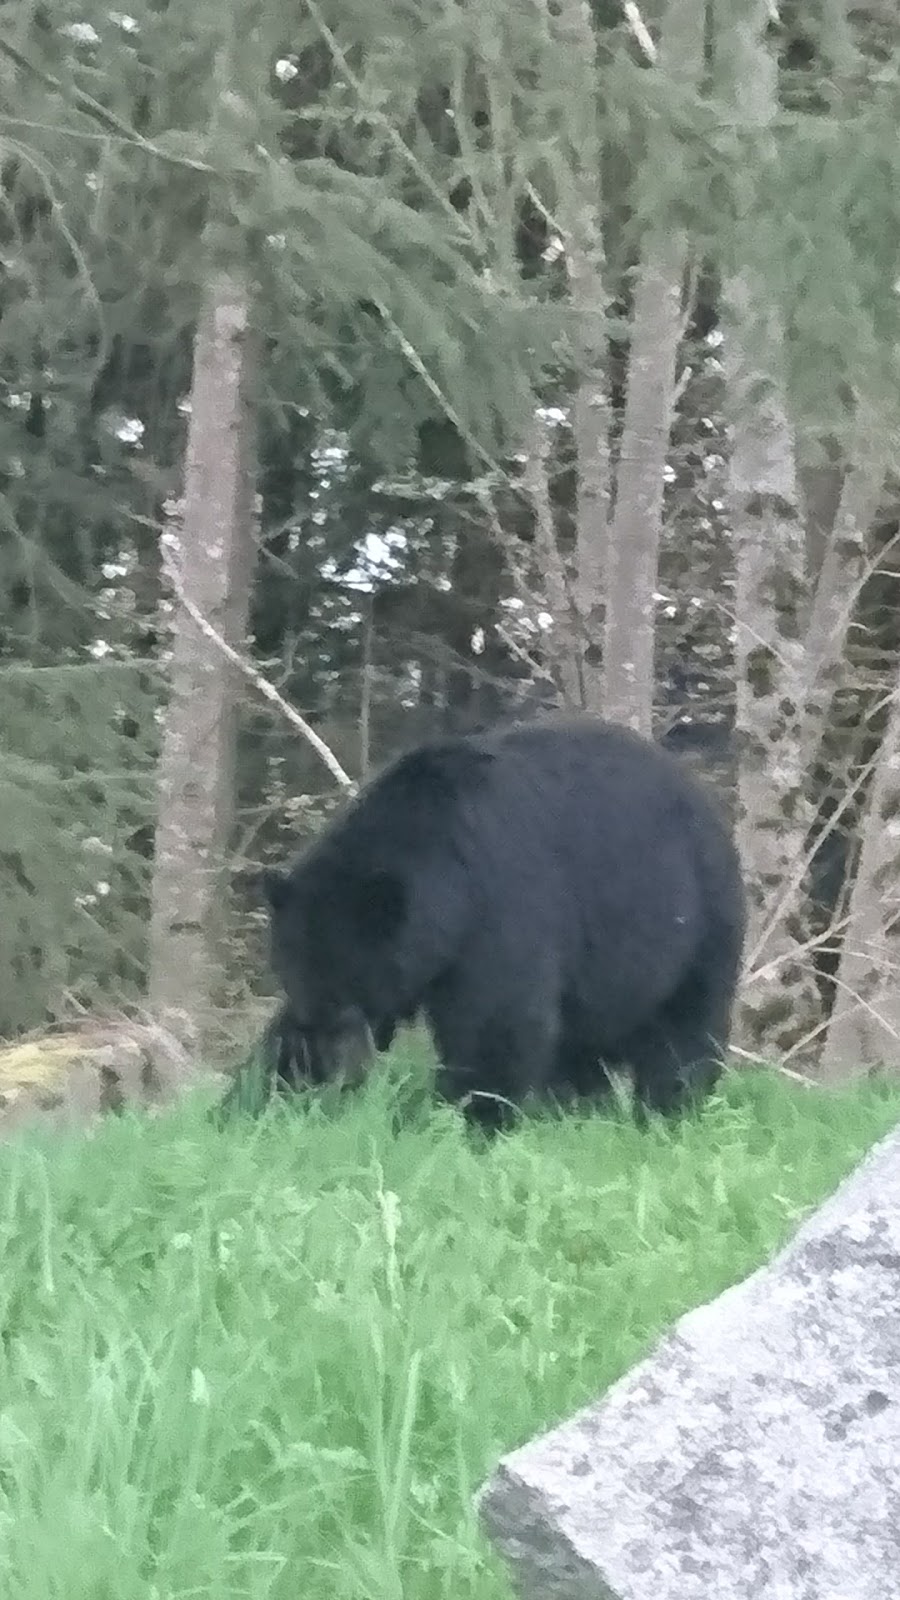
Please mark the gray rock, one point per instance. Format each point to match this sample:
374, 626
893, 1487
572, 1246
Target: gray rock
755, 1455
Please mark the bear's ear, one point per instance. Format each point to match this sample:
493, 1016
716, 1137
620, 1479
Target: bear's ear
275, 885
378, 904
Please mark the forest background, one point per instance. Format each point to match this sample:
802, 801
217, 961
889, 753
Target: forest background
369, 369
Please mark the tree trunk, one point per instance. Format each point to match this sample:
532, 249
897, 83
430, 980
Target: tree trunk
864, 1029
213, 554
781, 1002
590, 427
820, 486
634, 538
561, 642
841, 575
578, 213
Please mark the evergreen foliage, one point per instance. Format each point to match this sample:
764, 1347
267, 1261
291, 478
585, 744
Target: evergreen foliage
76, 797
403, 184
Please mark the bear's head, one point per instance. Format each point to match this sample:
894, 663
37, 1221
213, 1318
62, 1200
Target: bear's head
296, 1056
331, 932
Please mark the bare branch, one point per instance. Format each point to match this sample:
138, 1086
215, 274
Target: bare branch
249, 671
639, 31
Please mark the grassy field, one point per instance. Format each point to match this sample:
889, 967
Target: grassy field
275, 1360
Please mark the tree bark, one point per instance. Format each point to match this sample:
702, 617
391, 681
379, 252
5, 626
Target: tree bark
840, 579
864, 1029
214, 554
578, 216
780, 1003
590, 426
657, 324
633, 548
561, 643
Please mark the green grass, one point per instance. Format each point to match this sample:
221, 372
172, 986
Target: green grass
276, 1359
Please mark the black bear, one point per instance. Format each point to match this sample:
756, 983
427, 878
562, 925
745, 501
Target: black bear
288, 1057
557, 897
294, 1055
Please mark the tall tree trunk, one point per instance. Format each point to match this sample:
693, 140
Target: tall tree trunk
633, 548
657, 325
864, 1029
214, 556
561, 642
781, 1003
590, 427
781, 1000
578, 213
841, 576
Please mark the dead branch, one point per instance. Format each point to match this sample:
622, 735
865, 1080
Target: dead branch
639, 31
248, 670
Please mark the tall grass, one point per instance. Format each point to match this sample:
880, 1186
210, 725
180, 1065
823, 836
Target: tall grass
275, 1359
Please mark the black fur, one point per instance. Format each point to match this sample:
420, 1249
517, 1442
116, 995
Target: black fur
291, 1055
549, 895
286, 1058
294, 1057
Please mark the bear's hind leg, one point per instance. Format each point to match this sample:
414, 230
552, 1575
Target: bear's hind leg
676, 1060
677, 1057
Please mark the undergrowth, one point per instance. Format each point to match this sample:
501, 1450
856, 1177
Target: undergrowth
276, 1358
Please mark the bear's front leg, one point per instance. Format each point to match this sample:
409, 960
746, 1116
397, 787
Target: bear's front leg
492, 1067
